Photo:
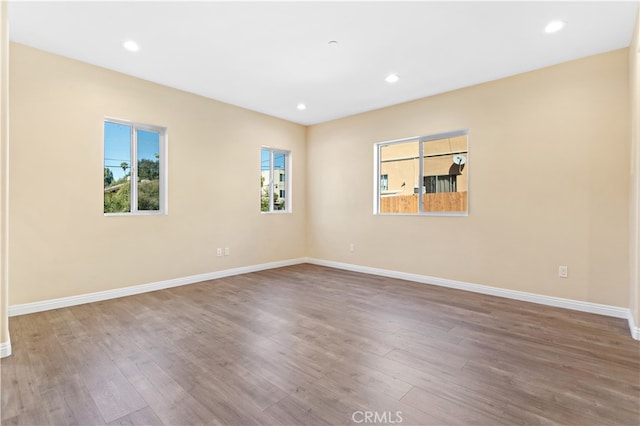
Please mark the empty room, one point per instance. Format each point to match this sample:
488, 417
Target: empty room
319, 213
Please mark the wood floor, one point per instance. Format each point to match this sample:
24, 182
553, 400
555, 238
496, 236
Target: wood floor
308, 345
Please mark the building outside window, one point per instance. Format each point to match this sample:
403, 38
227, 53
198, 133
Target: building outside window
274, 180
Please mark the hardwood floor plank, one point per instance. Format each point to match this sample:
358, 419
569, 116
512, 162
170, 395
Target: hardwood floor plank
78, 401
116, 398
278, 370
289, 412
170, 402
12, 403
325, 404
55, 405
451, 408
363, 376
428, 360
33, 416
144, 416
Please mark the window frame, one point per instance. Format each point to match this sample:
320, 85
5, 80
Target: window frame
163, 137
377, 170
272, 183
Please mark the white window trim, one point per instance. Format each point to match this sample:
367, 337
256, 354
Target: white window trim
287, 179
164, 166
376, 172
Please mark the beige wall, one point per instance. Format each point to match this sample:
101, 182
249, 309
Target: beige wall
63, 245
548, 185
4, 143
547, 188
634, 60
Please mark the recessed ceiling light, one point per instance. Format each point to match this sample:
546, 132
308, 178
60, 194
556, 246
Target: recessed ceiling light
131, 46
302, 107
554, 26
392, 78
332, 43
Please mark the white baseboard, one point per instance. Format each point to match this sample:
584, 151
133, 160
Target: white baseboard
63, 302
576, 305
607, 310
5, 349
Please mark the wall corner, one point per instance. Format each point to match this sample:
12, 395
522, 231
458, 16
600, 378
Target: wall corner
5, 341
634, 193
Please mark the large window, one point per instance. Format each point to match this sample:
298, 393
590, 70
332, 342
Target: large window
134, 168
275, 180
422, 175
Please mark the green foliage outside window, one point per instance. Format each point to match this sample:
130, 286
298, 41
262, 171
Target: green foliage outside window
117, 193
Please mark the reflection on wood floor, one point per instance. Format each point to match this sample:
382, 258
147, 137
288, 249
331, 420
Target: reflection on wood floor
309, 345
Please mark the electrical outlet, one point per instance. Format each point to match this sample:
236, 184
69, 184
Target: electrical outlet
563, 272
352, 247
227, 251
218, 252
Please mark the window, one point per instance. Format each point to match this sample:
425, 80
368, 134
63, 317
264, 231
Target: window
134, 168
441, 183
274, 180
422, 175
384, 182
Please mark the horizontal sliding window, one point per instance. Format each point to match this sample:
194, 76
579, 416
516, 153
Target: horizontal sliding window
134, 168
422, 175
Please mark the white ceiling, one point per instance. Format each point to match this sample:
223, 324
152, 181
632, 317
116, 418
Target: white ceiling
270, 56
